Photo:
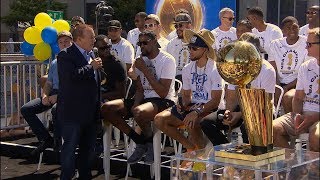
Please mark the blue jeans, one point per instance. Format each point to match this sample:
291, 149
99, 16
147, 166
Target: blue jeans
75, 134
30, 110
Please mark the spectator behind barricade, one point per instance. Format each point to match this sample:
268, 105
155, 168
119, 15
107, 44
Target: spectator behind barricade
133, 35
177, 47
201, 95
173, 33
49, 98
305, 114
114, 74
154, 93
313, 20
286, 56
121, 48
265, 31
232, 116
225, 33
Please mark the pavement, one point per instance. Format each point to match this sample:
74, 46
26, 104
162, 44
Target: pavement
16, 162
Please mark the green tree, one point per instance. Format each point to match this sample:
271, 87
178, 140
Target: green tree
26, 10
125, 10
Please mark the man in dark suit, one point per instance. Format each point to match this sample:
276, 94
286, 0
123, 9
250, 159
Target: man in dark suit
78, 102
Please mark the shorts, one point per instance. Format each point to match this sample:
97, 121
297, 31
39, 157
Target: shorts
182, 115
162, 104
287, 122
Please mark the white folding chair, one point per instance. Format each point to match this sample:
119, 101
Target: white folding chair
279, 101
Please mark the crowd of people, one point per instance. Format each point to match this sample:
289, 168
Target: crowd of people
84, 87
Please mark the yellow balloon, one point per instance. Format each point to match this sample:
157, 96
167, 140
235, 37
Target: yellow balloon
42, 51
42, 20
32, 35
61, 25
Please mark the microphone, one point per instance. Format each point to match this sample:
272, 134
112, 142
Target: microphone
96, 55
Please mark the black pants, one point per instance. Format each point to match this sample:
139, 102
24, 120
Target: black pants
213, 129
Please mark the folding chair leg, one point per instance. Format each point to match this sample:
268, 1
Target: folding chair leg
157, 155
106, 151
40, 161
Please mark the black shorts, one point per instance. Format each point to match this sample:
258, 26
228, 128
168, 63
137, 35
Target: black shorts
182, 115
162, 104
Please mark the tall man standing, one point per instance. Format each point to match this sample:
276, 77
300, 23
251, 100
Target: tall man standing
79, 102
133, 35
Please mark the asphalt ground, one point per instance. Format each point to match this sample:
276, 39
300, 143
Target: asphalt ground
16, 162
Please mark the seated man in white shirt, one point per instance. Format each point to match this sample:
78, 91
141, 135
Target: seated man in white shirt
306, 113
156, 70
202, 89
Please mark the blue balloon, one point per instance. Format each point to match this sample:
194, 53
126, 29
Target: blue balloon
49, 35
55, 48
27, 49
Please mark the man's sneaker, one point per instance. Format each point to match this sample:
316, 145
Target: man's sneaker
42, 146
149, 159
137, 154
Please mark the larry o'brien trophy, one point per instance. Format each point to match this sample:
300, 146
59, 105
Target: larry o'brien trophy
239, 63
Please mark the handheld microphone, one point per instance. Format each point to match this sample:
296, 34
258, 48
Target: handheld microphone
96, 55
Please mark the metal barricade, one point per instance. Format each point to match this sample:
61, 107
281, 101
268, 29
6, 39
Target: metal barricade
19, 84
10, 47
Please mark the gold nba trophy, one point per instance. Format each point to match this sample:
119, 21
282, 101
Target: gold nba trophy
239, 63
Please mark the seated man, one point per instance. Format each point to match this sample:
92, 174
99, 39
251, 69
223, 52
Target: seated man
202, 89
305, 105
49, 98
156, 70
114, 74
232, 115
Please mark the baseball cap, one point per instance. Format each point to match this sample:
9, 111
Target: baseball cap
151, 35
65, 34
182, 17
115, 24
154, 17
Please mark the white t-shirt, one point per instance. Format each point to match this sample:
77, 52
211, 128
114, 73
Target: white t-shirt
271, 33
265, 80
123, 51
172, 35
180, 52
162, 67
309, 82
201, 81
163, 42
223, 37
288, 58
304, 30
133, 37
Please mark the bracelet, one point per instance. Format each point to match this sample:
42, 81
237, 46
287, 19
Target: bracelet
198, 110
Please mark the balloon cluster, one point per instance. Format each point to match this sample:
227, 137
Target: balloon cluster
41, 39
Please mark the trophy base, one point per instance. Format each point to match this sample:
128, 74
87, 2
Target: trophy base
251, 163
244, 152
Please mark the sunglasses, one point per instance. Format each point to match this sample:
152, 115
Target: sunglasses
309, 44
229, 18
193, 48
149, 25
104, 47
311, 12
178, 26
140, 43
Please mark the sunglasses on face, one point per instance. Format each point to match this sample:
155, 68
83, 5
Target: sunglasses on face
149, 25
140, 43
193, 48
178, 26
309, 44
104, 47
311, 12
229, 18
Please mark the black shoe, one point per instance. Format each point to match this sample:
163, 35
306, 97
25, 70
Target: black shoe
42, 146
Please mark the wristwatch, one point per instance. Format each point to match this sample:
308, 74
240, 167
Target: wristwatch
199, 110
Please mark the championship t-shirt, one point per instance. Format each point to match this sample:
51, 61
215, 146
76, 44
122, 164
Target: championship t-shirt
223, 37
309, 82
133, 37
172, 35
304, 30
288, 58
271, 33
180, 52
201, 81
162, 67
123, 51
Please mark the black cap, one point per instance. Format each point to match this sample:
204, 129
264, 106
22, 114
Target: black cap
151, 35
182, 17
197, 41
115, 24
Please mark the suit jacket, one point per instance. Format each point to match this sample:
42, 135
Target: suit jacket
79, 93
